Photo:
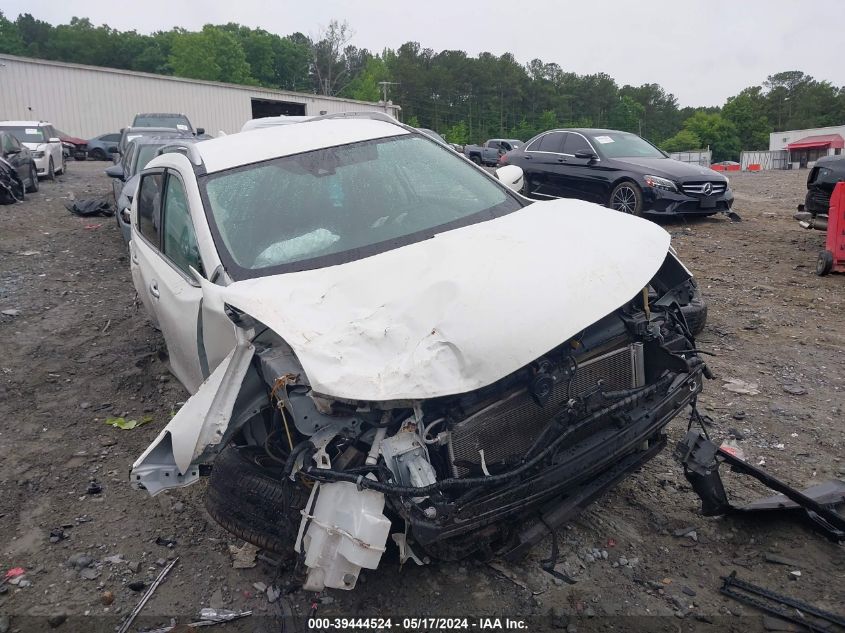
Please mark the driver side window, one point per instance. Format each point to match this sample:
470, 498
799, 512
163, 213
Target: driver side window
179, 242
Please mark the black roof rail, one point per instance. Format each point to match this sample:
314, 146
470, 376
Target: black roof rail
188, 149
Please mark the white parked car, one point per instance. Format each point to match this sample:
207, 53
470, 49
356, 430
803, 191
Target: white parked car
383, 340
43, 140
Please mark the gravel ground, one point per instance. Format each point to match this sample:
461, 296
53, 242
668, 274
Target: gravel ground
79, 350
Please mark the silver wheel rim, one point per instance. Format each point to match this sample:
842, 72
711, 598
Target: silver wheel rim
624, 200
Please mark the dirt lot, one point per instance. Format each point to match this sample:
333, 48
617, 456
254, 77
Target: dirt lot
80, 350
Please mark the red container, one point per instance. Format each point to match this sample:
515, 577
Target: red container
832, 259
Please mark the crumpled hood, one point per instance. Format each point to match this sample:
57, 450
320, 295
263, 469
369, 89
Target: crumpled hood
461, 310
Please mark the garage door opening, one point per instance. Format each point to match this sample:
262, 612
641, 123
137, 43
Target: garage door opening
264, 107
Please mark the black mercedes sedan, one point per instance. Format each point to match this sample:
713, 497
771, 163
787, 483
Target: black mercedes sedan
619, 170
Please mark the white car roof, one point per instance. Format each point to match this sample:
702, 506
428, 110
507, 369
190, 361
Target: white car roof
25, 123
266, 143
271, 121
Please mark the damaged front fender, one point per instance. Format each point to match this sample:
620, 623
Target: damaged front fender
229, 397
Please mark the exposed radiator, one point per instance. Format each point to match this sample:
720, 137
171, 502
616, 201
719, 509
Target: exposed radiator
507, 428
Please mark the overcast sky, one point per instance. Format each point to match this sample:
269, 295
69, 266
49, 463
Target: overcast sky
702, 51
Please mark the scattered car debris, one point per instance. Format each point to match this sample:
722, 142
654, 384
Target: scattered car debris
165, 542
684, 531
89, 573
701, 459
124, 627
779, 605
508, 573
57, 534
777, 559
14, 572
742, 387
80, 561
208, 617
116, 559
795, 390
127, 425
94, 487
90, 207
243, 557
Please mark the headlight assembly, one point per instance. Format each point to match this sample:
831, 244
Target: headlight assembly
660, 183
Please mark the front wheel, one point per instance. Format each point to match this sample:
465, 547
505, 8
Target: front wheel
476, 159
51, 171
33, 179
627, 198
64, 164
98, 154
249, 497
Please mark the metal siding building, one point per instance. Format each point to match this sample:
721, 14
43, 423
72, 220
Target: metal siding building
779, 140
87, 101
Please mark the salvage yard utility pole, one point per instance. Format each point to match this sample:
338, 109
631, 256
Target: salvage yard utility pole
384, 85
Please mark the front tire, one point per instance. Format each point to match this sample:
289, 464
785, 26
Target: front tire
626, 197
33, 179
64, 164
51, 171
476, 159
98, 154
248, 496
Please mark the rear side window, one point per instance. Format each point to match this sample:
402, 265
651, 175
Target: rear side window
149, 207
576, 143
551, 142
111, 138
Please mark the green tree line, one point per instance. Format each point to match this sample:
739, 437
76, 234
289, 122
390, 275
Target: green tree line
465, 98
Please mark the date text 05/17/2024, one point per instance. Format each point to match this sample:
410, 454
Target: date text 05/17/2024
418, 624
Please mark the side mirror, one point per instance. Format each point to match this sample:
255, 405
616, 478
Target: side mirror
586, 155
200, 131
511, 176
55, 139
115, 171
112, 149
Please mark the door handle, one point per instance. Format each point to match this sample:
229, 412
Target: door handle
154, 289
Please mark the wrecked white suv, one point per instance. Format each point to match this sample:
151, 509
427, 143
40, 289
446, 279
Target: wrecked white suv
384, 342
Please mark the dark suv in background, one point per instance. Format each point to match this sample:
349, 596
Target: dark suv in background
175, 120
619, 170
821, 181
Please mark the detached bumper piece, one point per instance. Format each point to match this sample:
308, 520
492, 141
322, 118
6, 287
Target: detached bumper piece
701, 459
780, 606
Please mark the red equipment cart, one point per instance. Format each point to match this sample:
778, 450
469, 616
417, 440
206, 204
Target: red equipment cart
832, 259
